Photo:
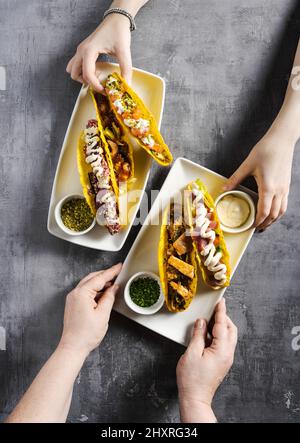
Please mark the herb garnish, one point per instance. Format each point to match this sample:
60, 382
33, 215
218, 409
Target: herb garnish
144, 291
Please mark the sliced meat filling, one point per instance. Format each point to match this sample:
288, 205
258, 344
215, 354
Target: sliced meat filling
105, 199
114, 135
181, 290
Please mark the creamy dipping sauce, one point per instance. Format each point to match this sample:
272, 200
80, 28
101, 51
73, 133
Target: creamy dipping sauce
233, 211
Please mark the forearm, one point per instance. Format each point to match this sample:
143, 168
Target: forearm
193, 411
48, 398
132, 6
286, 123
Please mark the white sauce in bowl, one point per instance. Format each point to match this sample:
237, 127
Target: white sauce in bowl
233, 211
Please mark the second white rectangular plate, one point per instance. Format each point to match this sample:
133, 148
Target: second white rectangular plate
151, 88
143, 256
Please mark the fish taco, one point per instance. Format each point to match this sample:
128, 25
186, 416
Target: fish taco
176, 260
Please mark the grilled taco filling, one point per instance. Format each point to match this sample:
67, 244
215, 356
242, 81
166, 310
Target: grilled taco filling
133, 117
179, 269
207, 239
100, 179
113, 133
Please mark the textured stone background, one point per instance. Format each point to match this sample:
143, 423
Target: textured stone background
226, 65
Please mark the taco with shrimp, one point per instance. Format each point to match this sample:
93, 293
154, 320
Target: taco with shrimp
135, 119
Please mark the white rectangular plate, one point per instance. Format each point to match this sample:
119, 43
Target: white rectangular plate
151, 88
143, 256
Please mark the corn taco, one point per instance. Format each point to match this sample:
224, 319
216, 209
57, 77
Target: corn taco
176, 260
135, 118
208, 239
120, 150
97, 177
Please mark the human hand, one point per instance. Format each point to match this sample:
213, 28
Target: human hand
201, 369
86, 318
270, 162
112, 37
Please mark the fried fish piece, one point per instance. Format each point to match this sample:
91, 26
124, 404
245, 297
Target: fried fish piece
181, 290
181, 266
182, 245
172, 275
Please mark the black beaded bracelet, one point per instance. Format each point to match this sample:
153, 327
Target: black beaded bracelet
122, 12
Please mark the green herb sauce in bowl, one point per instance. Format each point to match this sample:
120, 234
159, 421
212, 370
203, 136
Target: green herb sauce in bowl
74, 216
143, 293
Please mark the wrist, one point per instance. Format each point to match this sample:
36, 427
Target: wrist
71, 351
196, 411
117, 20
285, 127
284, 135
130, 6
203, 394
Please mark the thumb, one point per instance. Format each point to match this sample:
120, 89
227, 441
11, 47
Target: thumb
106, 301
240, 174
125, 62
199, 335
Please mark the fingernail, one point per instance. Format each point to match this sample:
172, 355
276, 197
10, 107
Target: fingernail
116, 287
201, 323
225, 187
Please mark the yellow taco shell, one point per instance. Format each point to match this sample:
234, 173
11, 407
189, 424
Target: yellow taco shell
147, 115
209, 202
84, 169
172, 304
114, 182
101, 129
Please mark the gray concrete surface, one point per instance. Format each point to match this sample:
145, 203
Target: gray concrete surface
226, 65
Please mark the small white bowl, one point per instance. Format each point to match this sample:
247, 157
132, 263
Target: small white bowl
138, 309
250, 220
59, 221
